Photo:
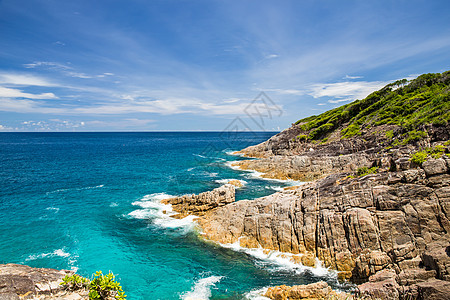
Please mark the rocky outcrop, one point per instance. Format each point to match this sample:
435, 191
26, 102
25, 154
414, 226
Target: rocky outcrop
304, 167
390, 230
313, 291
199, 204
24, 282
285, 157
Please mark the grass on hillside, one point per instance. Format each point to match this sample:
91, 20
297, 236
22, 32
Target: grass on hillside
424, 100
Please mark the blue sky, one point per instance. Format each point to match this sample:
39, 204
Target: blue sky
198, 65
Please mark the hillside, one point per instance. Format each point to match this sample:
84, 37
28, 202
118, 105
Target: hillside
415, 112
424, 100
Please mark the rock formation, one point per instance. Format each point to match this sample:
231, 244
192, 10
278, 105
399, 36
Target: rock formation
313, 291
199, 204
388, 232
23, 282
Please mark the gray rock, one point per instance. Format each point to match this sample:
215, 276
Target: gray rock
434, 167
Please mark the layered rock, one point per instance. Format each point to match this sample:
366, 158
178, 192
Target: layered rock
313, 291
199, 204
304, 167
390, 230
24, 282
285, 157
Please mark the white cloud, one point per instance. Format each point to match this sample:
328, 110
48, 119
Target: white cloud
5, 128
345, 91
353, 77
48, 64
15, 93
24, 79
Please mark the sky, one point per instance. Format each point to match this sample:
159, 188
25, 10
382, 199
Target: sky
166, 65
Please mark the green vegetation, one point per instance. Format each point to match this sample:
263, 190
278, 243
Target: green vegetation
421, 156
100, 287
363, 171
389, 134
424, 100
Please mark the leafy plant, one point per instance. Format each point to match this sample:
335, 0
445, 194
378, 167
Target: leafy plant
302, 137
101, 287
414, 135
350, 131
363, 171
390, 134
436, 152
419, 157
75, 282
105, 287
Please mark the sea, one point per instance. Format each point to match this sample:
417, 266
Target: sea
91, 201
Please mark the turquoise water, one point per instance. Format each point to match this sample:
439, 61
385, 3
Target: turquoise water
89, 201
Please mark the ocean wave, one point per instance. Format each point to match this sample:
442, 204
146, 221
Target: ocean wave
275, 188
201, 289
276, 261
233, 153
57, 252
159, 213
55, 209
259, 175
76, 189
257, 294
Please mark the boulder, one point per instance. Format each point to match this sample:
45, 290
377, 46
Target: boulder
434, 166
199, 204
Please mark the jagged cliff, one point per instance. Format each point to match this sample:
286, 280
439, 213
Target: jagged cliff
377, 208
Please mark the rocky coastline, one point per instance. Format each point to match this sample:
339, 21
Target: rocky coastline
388, 232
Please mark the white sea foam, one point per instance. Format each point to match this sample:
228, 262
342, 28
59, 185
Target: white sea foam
257, 294
275, 188
233, 153
259, 175
277, 261
77, 189
113, 204
201, 289
55, 209
225, 181
57, 252
159, 213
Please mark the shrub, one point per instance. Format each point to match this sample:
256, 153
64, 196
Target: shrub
105, 287
419, 157
414, 136
390, 134
302, 137
320, 131
101, 287
436, 152
350, 131
363, 171
75, 282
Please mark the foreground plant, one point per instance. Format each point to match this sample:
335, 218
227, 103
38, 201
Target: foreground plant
101, 287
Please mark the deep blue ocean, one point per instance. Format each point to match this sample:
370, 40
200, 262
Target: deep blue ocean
89, 201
